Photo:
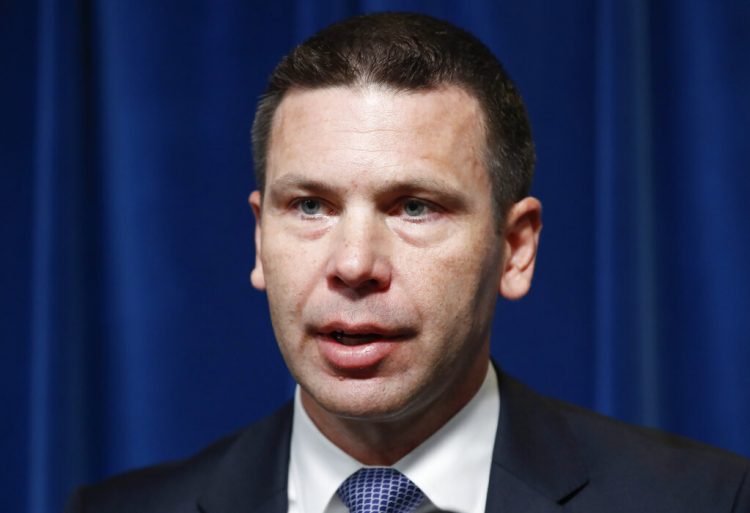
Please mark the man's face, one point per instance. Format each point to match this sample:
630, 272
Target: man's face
378, 248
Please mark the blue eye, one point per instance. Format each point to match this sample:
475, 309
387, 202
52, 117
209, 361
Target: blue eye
309, 206
414, 208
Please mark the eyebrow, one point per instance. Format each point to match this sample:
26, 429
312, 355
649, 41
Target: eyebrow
415, 184
298, 181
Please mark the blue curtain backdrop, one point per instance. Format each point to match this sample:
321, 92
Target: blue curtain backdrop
130, 332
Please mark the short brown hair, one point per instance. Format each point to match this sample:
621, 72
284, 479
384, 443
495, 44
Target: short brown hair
406, 51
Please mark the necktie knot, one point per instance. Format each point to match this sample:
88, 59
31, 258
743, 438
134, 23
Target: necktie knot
380, 490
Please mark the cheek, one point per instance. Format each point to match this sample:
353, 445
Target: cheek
282, 270
452, 285
291, 271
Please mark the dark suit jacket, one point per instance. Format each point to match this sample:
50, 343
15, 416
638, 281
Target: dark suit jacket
548, 456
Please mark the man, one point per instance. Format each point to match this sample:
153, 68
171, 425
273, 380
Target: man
394, 160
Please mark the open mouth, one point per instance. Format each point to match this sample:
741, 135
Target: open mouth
354, 339
358, 350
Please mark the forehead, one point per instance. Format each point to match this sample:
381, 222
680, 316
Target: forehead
369, 129
373, 99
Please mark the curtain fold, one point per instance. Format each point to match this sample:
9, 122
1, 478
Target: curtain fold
64, 310
626, 313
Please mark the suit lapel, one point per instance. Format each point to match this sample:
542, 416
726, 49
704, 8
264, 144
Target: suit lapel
536, 463
252, 477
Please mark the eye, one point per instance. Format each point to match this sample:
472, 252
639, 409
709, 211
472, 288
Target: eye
309, 206
415, 208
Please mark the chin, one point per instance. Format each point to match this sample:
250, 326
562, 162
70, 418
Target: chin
371, 400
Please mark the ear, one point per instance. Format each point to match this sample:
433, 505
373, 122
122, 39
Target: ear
256, 276
521, 240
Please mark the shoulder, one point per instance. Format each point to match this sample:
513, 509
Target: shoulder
657, 467
176, 486
623, 442
636, 468
598, 433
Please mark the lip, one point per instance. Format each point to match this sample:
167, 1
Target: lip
359, 329
357, 348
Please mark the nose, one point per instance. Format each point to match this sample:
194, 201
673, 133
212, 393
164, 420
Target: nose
358, 255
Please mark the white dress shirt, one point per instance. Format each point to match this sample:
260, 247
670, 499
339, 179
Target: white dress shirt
452, 467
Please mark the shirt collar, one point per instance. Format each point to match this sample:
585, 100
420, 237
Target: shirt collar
317, 467
452, 467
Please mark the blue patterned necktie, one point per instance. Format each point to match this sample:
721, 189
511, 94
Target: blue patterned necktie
380, 490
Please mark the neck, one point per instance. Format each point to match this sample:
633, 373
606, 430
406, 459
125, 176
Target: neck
383, 442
